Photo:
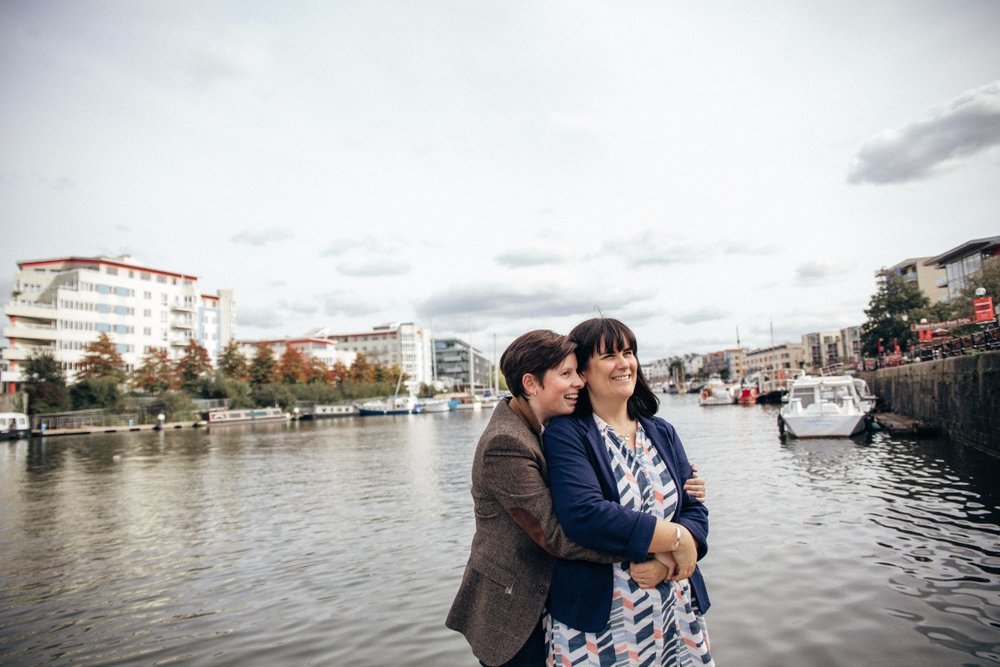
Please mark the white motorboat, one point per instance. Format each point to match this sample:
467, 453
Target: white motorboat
435, 405
14, 426
241, 416
716, 392
823, 407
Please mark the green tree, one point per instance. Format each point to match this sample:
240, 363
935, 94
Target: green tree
263, 365
156, 373
894, 299
194, 367
233, 363
292, 366
101, 360
45, 384
96, 392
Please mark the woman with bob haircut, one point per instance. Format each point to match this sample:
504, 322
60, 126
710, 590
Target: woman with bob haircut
616, 471
500, 602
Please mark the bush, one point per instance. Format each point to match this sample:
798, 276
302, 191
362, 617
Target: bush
96, 392
46, 397
267, 395
177, 406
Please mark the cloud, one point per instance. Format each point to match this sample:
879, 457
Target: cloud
260, 317
262, 237
648, 248
298, 307
814, 272
375, 266
510, 302
516, 258
701, 315
342, 303
960, 129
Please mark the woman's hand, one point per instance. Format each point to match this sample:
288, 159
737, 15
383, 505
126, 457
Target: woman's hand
695, 485
650, 573
686, 555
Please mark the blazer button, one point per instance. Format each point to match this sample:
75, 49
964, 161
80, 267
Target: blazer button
542, 590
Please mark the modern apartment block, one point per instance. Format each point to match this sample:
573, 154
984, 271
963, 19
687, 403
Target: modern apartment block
59, 306
929, 278
963, 261
403, 343
769, 360
822, 349
318, 348
452, 365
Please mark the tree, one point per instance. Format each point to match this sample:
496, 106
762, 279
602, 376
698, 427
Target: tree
362, 371
316, 371
193, 367
886, 325
96, 392
101, 360
44, 384
292, 366
233, 363
156, 374
262, 366
338, 373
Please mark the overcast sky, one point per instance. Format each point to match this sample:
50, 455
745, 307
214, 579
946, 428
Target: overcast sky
485, 168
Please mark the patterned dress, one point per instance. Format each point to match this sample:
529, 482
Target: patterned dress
655, 626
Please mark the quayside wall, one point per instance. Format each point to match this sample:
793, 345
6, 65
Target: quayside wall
958, 395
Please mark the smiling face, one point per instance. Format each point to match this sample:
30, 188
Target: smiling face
558, 391
611, 374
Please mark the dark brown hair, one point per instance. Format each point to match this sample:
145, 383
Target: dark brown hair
607, 334
534, 352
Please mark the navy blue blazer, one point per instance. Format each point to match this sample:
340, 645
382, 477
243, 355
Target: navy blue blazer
586, 500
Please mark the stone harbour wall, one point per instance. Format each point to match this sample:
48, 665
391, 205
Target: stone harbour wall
959, 395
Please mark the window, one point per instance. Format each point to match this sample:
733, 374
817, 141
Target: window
147, 295
105, 328
147, 312
111, 270
103, 308
102, 289
161, 279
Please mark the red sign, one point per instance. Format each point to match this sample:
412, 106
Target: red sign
982, 309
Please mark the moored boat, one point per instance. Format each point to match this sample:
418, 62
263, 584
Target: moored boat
328, 411
240, 416
716, 392
434, 405
14, 426
398, 405
823, 406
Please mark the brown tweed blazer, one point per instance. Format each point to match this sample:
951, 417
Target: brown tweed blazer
507, 577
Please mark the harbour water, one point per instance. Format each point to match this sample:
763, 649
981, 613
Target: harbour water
342, 542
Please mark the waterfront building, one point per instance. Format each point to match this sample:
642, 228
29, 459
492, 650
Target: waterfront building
929, 278
452, 365
850, 345
963, 261
769, 360
402, 343
822, 349
323, 349
59, 306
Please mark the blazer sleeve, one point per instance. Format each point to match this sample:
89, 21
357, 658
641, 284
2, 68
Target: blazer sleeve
589, 513
692, 513
512, 474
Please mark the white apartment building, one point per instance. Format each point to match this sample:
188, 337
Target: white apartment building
59, 306
822, 348
402, 343
317, 348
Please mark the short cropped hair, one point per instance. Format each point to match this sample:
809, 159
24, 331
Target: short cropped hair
602, 334
534, 352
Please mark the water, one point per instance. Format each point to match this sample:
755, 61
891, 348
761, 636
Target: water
343, 541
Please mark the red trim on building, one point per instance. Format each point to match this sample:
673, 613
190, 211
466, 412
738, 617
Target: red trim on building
100, 261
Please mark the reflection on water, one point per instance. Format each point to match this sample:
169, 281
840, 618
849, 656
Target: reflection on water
343, 541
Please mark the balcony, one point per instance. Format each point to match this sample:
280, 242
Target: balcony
182, 324
30, 309
25, 352
23, 332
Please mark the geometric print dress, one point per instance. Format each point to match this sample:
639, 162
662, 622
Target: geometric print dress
652, 626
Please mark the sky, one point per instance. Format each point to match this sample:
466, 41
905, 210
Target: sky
703, 171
